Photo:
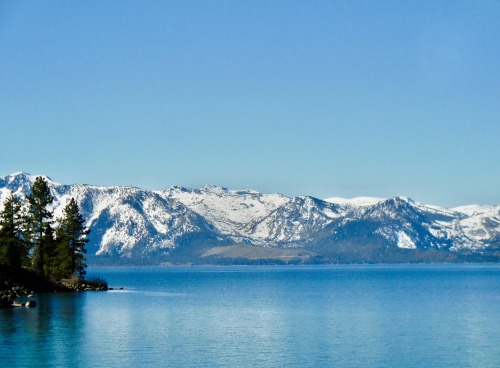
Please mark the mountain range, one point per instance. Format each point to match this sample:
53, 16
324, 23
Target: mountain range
214, 225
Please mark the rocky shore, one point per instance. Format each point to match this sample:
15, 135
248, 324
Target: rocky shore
83, 285
11, 292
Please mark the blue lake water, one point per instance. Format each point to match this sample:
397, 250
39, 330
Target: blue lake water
267, 316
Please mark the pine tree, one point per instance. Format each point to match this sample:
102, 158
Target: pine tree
12, 250
51, 255
39, 220
71, 236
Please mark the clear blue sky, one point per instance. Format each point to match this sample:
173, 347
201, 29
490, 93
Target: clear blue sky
322, 98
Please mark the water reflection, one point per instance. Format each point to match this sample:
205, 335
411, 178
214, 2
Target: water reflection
273, 318
44, 336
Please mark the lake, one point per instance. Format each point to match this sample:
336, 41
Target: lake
265, 316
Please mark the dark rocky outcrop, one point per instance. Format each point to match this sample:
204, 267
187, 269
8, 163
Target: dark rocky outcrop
27, 283
75, 284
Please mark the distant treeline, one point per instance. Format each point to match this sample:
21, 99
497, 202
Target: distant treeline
32, 239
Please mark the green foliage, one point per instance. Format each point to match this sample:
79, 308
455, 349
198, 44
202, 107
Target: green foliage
71, 235
12, 249
39, 221
97, 282
28, 240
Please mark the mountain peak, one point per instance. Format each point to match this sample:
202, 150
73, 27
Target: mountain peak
356, 202
213, 188
131, 222
24, 176
20, 182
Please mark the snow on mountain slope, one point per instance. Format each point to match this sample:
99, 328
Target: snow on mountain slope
122, 220
399, 220
471, 227
480, 224
18, 184
132, 222
475, 209
294, 222
355, 202
136, 217
228, 210
407, 222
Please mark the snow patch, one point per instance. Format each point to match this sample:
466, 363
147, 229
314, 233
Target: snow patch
404, 241
356, 202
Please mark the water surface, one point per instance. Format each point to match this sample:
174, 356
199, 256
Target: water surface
267, 316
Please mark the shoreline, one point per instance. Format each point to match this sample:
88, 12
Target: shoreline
13, 292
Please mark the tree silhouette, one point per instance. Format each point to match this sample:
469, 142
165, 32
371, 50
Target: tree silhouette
39, 222
71, 236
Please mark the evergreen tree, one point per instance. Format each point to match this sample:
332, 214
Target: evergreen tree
39, 221
52, 264
12, 250
71, 236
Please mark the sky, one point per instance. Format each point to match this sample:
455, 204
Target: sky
321, 98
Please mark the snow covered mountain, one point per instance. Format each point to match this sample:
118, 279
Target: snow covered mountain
230, 211
124, 221
182, 224
412, 225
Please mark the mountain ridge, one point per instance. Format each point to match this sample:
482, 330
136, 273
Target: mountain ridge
215, 224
